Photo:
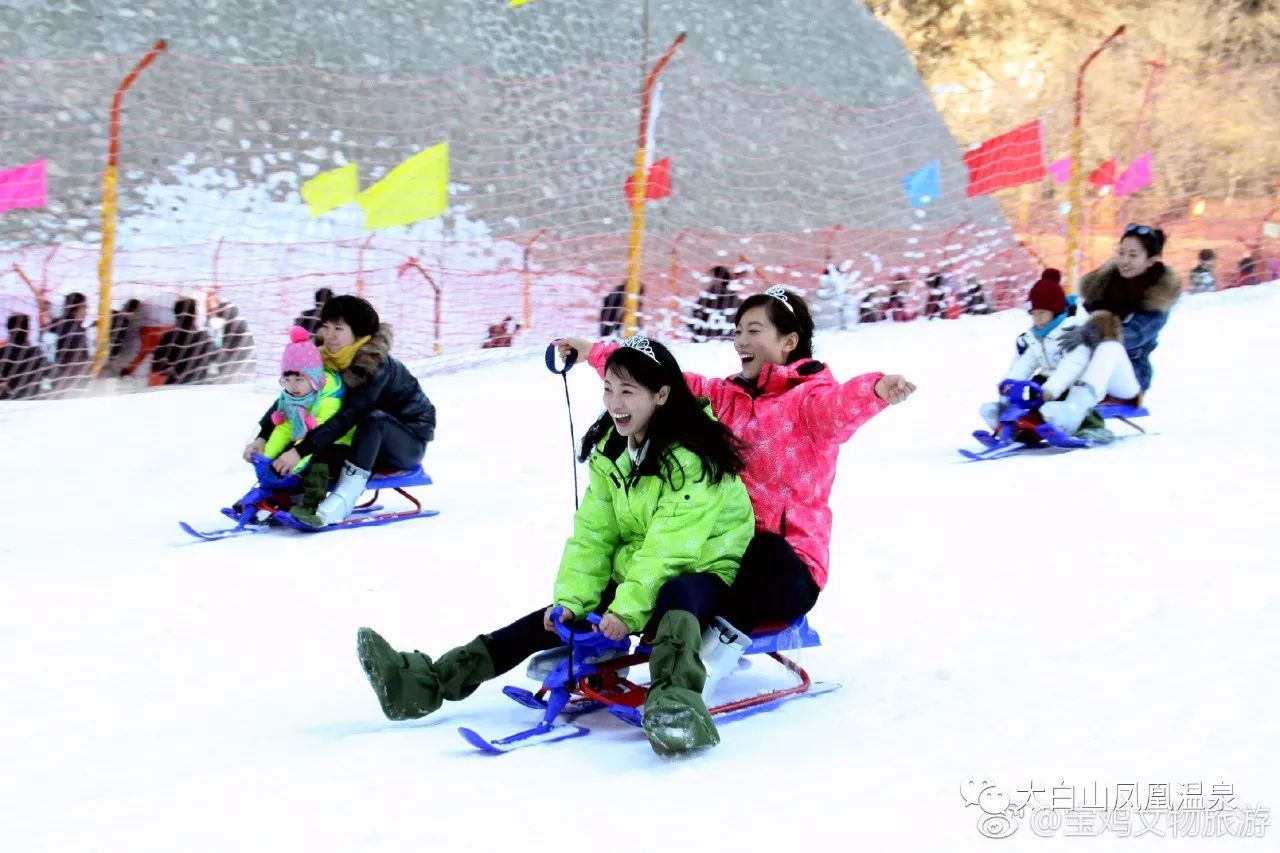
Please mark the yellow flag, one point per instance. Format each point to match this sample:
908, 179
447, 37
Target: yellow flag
515, 3
416, 189
331, 189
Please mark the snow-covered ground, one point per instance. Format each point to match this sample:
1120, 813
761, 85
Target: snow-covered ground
1085, 620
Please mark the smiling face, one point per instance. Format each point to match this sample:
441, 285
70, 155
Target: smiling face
630, 404
1132, 259
758, 343
295, 384
336, 334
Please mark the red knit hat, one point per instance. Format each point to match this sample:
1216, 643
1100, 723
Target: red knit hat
1047, 293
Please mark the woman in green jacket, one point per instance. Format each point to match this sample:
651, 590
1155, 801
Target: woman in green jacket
655, 545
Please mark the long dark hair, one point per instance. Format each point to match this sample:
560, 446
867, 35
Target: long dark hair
184, 314
787, 317
19, 326
680, 420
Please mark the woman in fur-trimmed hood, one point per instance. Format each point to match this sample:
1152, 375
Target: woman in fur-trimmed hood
393, 418
1139, 290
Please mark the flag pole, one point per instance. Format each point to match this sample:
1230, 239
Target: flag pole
639, 187
1076, 213
526, 281
110, 202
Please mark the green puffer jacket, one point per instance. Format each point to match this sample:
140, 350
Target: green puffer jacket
645, 532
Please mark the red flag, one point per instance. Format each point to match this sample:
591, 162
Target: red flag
1104, 175
1008, 160
659, 183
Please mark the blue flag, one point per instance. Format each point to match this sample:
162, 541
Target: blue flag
924, 185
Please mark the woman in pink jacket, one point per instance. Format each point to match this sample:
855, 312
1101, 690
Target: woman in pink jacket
792, 416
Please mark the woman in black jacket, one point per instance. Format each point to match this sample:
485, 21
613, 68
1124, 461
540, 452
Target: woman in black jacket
185, 352
22, 365
392, 417
73, 365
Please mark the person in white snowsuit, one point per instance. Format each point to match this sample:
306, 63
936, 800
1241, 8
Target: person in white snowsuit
1040, 355
1078, 362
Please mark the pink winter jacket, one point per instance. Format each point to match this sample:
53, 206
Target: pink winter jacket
792, 424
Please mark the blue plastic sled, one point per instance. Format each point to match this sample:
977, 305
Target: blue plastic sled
267, 504
1017, 432
593, 676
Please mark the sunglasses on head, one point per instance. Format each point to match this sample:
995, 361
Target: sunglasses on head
1135, 228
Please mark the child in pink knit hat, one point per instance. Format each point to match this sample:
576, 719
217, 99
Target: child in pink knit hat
309, 396
303, 379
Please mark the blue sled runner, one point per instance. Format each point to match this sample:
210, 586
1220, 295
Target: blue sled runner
1021, 428
592, 674
266, 506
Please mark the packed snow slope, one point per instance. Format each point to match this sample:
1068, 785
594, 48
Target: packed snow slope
1092, 618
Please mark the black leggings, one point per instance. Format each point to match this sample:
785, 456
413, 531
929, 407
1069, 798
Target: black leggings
701, 594
773, 585
380, 441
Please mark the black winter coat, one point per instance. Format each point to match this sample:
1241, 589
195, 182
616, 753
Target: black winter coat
22, 366
184, 355
374, 382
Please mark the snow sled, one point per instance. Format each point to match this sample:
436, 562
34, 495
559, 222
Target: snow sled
1020, 426
593, 676
267, 504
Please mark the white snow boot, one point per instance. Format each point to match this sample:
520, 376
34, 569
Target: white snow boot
990, 412
339, 503
722, 647
1067, 414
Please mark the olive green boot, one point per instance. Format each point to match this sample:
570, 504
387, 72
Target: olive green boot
675, 717
409, 685
315, 485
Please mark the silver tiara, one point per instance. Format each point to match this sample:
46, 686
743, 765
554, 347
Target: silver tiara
640, 342
779, 293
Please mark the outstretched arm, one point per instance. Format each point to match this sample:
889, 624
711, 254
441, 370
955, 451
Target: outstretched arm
835, 412
716, 390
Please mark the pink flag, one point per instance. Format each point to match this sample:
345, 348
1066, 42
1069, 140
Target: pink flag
1135, 177
23, 186
1061, 170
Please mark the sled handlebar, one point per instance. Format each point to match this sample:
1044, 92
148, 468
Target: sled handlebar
566, 632
268, 477
586, 641
1022, 392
